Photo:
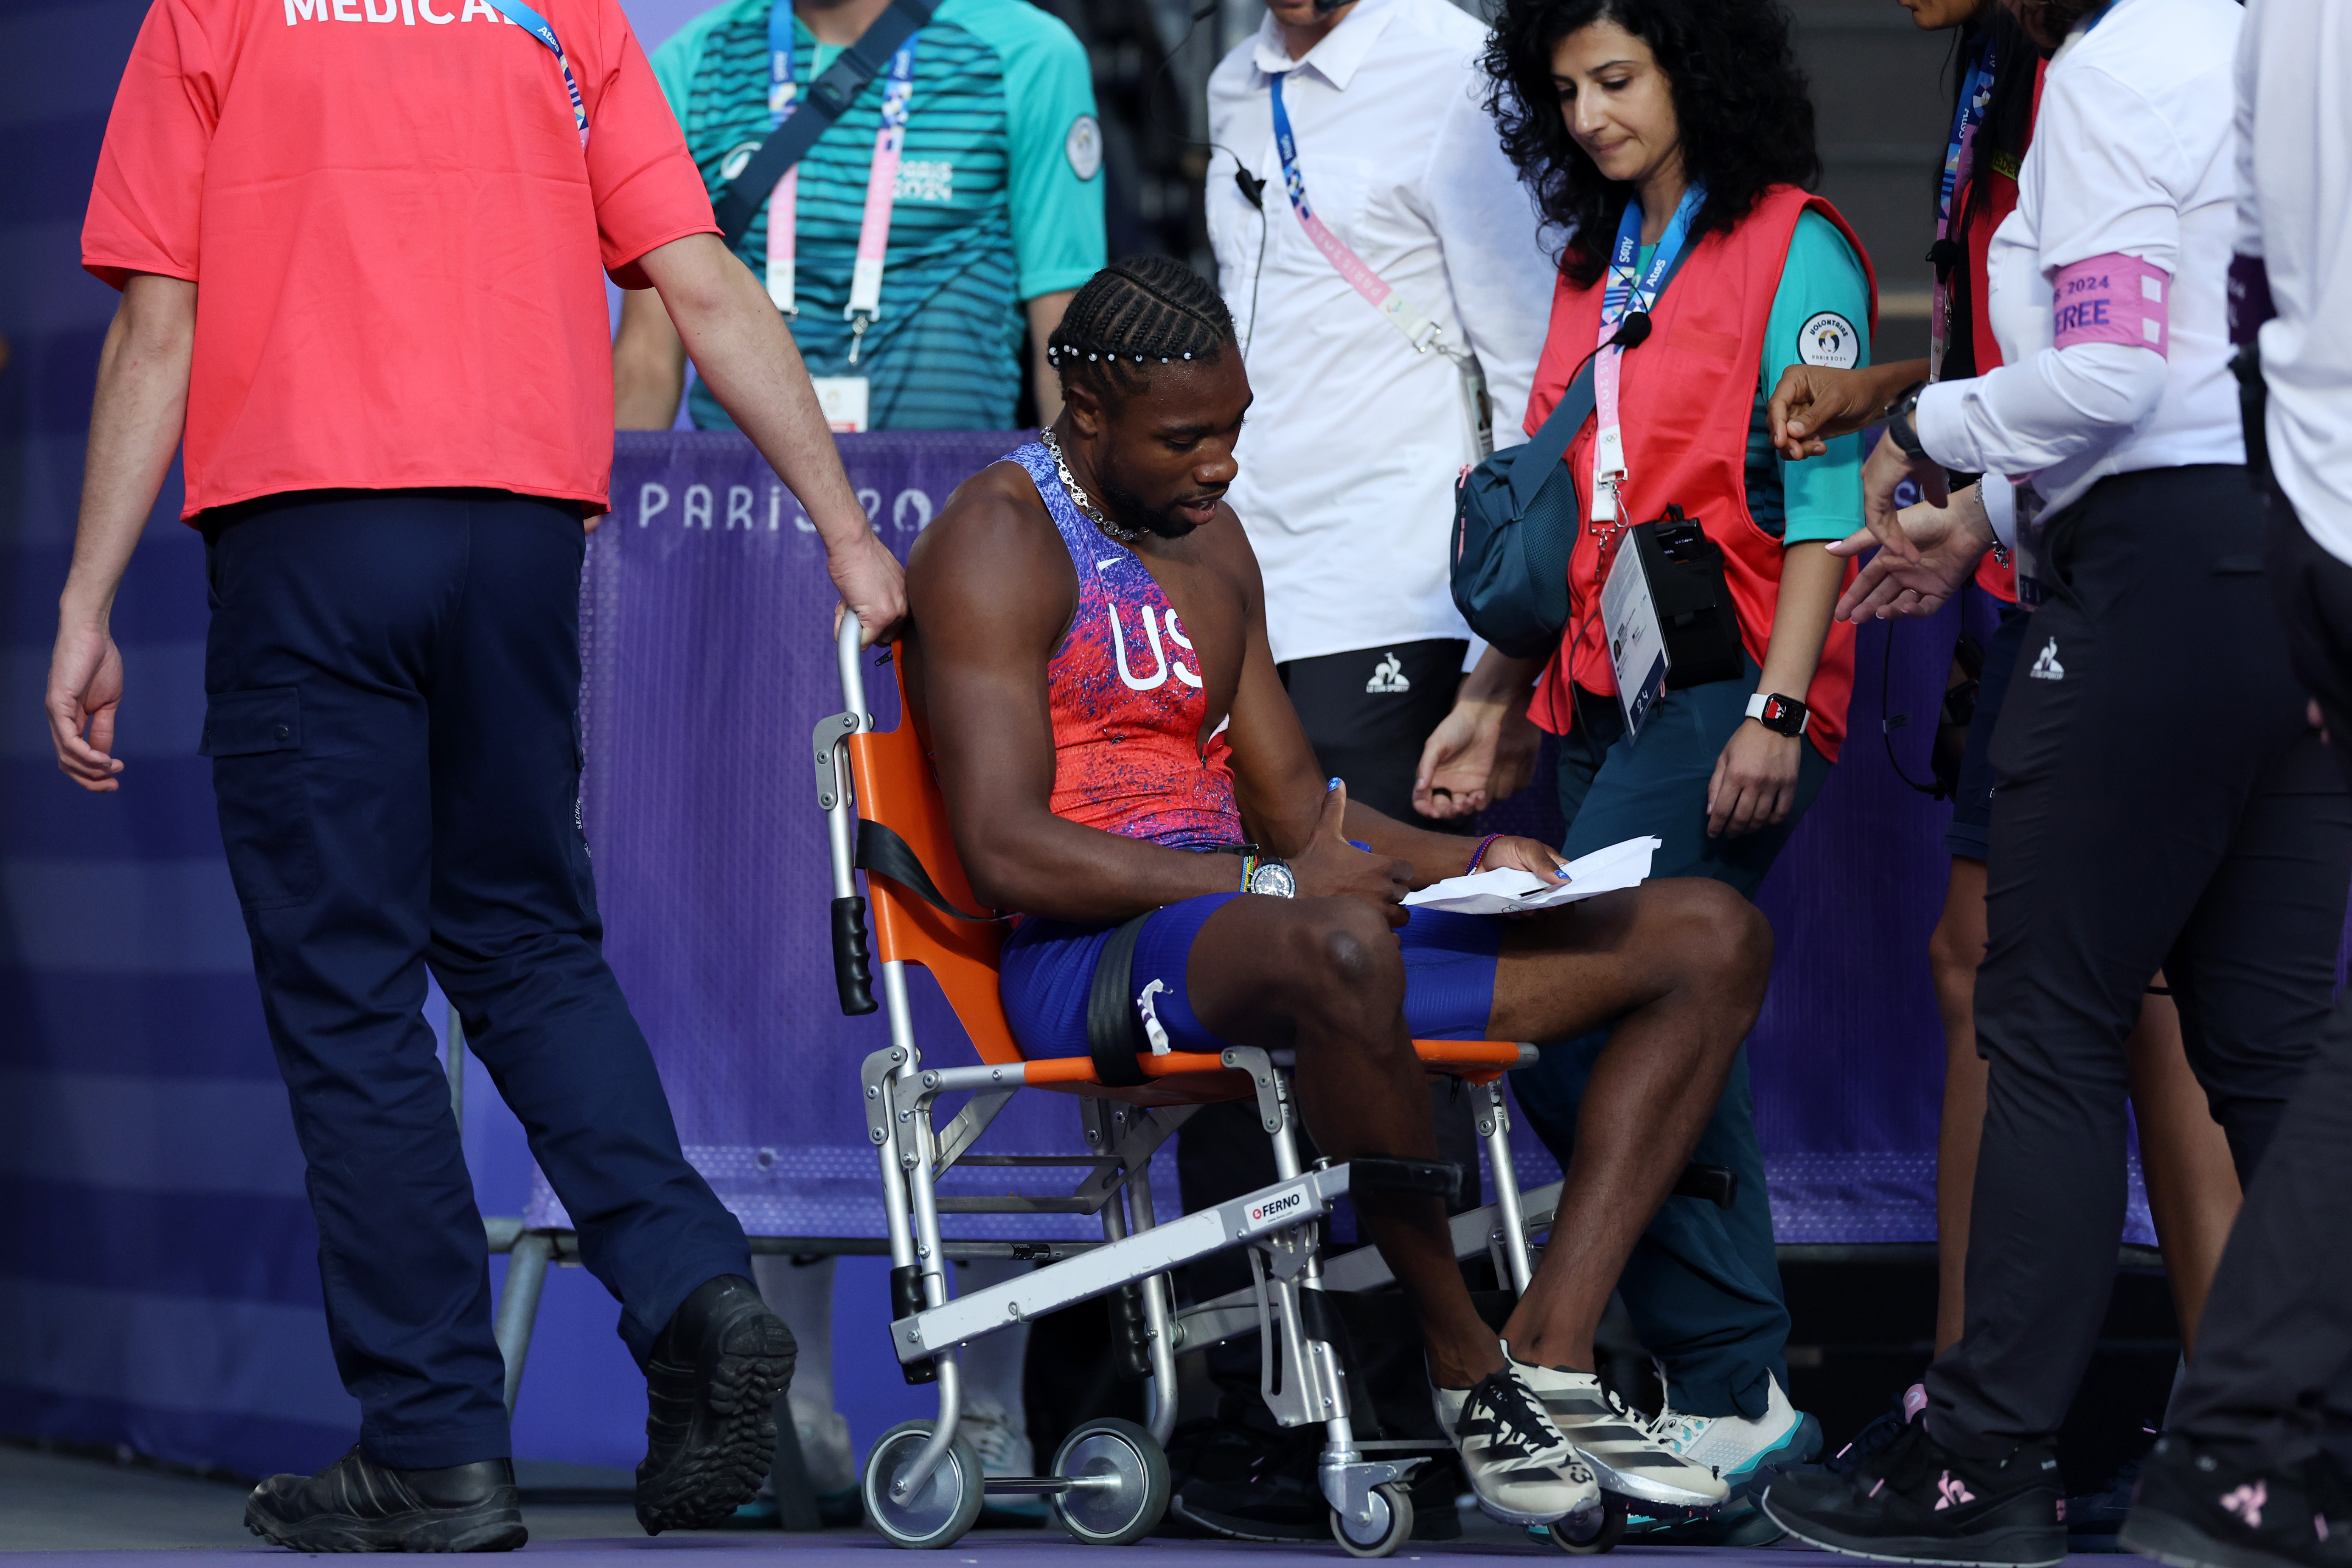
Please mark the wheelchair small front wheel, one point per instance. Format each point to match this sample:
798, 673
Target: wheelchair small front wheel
1124, 1485
1387, 1524
1601, 1527
942, 1508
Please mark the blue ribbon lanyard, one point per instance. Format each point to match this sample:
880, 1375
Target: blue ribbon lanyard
1959, 164
1625, 293
532, 22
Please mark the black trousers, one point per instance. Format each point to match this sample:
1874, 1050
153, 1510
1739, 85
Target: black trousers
392, 681
2273, 1368
2158, 801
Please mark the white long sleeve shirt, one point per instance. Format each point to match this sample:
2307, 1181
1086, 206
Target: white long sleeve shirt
2132, 155
2295, 206
1350, 453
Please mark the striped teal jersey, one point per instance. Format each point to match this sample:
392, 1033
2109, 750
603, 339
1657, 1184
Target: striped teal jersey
998, 198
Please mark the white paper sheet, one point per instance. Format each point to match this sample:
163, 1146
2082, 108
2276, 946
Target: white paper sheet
1511, 891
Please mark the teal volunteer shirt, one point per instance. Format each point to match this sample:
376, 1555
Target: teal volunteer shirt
998, 199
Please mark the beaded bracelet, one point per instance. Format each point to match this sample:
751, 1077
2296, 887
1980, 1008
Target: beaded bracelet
1480, 853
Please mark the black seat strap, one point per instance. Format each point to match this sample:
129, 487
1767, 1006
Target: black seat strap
1114, 1033
882, 853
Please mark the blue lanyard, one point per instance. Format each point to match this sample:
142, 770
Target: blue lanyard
782, 93
532, 22
1976, 97
1626, 292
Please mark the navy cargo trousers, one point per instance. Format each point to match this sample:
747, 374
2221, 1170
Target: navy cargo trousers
392, 681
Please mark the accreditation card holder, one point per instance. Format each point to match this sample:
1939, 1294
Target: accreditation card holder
1478, 408
843, 399
2028, 553
1637, 647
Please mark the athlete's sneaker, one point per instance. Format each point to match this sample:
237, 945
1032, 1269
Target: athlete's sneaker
1917, 1501
1521, 1469
2198, 1510
1615, 1440
1742, 1450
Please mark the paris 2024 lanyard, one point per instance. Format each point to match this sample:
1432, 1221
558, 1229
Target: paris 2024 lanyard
1630, 289
1419, 330
881, 180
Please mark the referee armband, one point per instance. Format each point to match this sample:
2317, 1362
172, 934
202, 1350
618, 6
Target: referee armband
2112, 299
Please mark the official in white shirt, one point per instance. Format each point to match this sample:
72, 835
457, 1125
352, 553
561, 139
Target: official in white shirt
2160, 800
2266, 1408
1349, 460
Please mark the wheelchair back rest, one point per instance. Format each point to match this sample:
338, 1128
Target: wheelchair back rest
898, 788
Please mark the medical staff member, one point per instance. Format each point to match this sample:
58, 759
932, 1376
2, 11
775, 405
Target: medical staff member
2161, 798
2266, 1410
363, 262
1662, 137
986, 217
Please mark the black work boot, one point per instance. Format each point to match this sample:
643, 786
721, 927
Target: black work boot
358, 1505
2200, 1509
712, 1387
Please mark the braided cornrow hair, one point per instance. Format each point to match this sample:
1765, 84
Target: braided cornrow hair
1133, 316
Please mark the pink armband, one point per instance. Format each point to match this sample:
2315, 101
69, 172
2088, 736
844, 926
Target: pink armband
2112, 299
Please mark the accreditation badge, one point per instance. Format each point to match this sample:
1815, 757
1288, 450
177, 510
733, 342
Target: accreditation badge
1478, 409
1637, 646
843, 399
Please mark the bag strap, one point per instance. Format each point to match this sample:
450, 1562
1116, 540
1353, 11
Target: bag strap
1114, 1035
828, 100
1553, 438
883, 853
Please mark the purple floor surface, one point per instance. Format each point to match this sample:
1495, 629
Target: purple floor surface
841, 1550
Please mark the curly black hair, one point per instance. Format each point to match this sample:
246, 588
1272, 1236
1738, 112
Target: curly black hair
1740, 99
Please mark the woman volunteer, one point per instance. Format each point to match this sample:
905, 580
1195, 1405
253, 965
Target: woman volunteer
1667, 141
2161, 800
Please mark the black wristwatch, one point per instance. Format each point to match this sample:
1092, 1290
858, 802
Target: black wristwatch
1899, 426
1781, 715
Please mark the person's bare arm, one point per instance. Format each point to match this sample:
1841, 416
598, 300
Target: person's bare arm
648, 364
1044, 315
134, 429
1755, 780
739, 344
1814, 405
1282, 794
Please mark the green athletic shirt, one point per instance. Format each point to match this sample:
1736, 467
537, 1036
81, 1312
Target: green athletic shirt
998, 198
1820, 497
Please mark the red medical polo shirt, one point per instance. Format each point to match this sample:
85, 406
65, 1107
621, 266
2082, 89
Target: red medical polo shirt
398, 241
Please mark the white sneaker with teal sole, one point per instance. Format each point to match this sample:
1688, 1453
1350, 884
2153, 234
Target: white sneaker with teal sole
1615, 1440
1740, 1448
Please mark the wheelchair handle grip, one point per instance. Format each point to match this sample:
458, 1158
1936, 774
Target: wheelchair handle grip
851, 976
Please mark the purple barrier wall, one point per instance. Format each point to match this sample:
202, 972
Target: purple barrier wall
704, 611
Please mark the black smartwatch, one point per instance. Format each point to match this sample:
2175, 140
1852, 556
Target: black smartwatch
1899, 426
1781, 715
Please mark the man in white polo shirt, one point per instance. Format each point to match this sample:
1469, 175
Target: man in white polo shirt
1396, 190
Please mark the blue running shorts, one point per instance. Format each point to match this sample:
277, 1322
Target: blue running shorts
1049, 967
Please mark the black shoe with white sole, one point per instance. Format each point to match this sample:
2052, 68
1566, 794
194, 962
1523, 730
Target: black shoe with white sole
358, 1505
1917, 1501
712, 1387
2198, 1509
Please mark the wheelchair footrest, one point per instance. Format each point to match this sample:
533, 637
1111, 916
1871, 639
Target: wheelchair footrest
1107, 1267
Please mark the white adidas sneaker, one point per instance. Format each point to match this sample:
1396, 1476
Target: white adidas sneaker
1616, 1441
1521, 1469
1738, 1448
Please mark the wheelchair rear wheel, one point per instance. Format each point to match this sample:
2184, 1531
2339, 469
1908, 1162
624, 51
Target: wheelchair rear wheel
1590, 1540
1390, 1527
1127, 1487
942, 1508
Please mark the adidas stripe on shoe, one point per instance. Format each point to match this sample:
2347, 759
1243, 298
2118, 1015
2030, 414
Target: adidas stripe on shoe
1521, 1469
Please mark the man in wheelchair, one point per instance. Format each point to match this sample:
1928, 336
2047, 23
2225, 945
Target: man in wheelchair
1121, 765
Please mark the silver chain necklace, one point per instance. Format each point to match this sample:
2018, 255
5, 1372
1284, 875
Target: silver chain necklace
1079, 496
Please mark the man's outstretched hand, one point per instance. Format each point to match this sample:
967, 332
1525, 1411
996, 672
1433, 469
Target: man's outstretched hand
1814, 405
85, 688
1331, 867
